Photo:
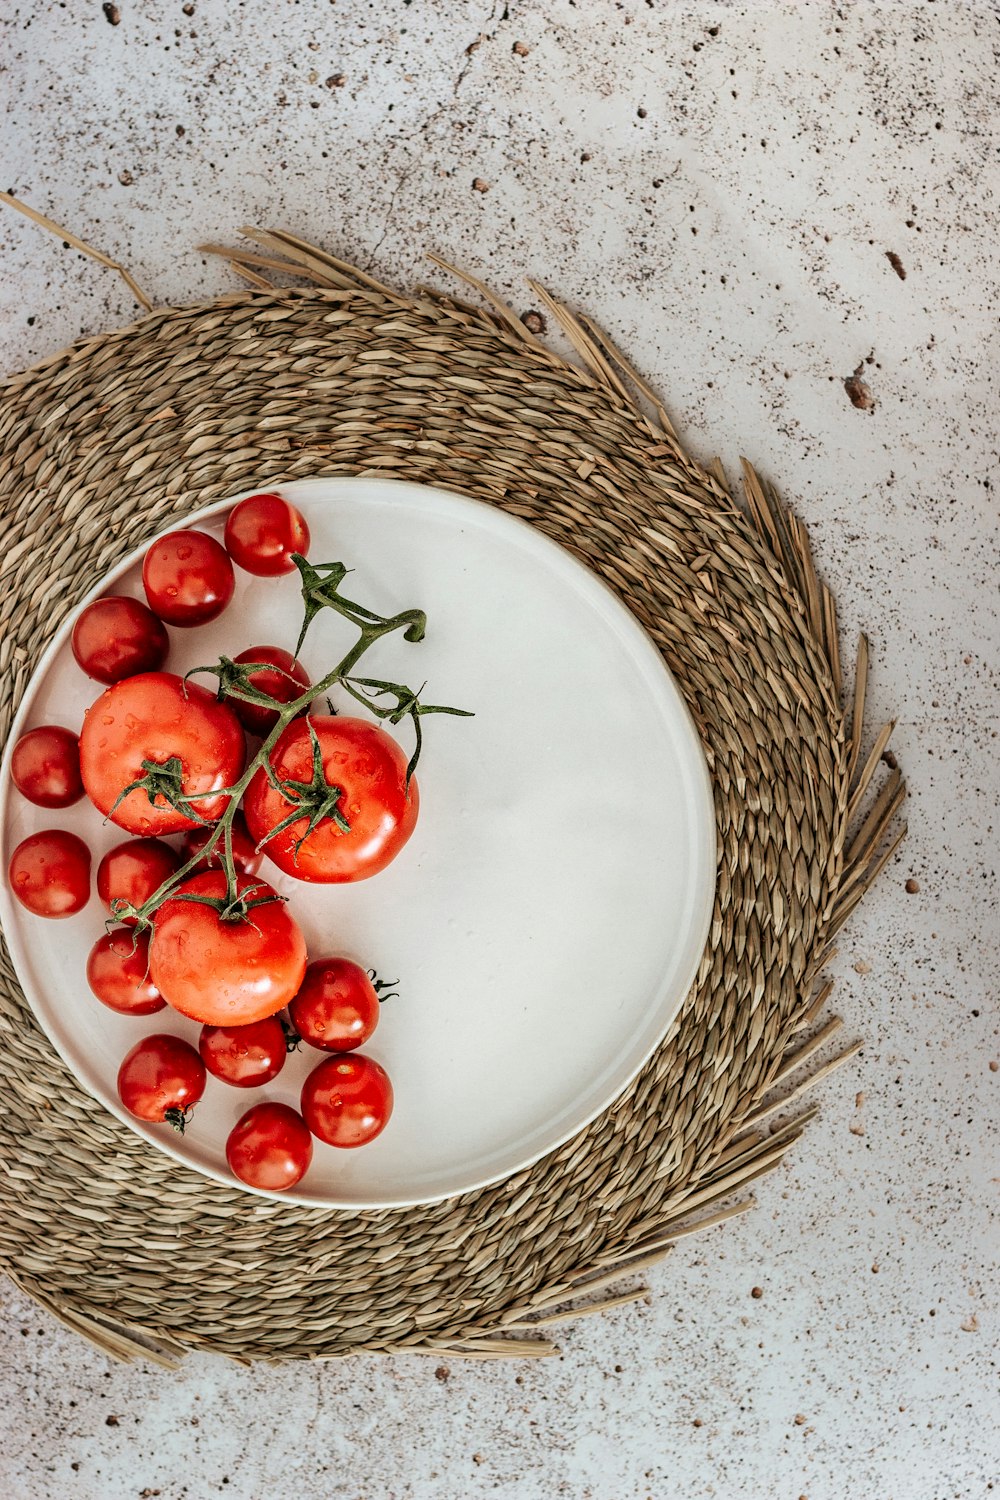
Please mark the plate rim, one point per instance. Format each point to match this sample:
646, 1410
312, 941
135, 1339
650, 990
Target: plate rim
705, 819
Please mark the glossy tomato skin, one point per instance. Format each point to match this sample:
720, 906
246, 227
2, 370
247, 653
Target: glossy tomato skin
245, 856
225, 972
161, 1078
132, 871
337, 1008
49, 873
370, 766
188, 578
347, 1099
118, 637
45, 766
118, 973
156, 716
286, 680
270, 1147
245, 1056
262, 532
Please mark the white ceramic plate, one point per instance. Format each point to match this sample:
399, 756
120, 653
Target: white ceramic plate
548, 915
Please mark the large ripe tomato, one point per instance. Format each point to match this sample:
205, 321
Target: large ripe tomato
337, 1008
369, 767
118, 637
45, 766
245, 1056
262, 532
245, 856
222, 970
118, 973
158, 717
188, 578
270, 1147
49, 873
132, 871
161, 1079
347, 1100
285, 680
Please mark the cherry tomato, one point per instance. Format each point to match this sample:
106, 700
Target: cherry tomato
245, 856
245, 1055
286, 680
45, 766
161, 1079
132, 871
49, 873
117, 972
270, 1147
188, 578
158, 717
370, 768
220, 970
337, 1007
262, 532
118, 637
347, 1099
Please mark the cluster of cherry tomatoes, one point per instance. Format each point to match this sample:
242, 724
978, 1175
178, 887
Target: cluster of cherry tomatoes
198, 930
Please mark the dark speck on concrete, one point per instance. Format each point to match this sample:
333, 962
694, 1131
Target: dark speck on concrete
896, 264
112, 14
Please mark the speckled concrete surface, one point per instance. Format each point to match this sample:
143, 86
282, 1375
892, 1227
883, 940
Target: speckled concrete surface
756, 201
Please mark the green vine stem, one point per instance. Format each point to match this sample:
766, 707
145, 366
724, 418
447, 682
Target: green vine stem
314, 800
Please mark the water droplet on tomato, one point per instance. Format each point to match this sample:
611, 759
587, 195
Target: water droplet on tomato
183, 553
108, 719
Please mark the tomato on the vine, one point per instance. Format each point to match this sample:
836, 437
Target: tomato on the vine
270, 1147
160, 1079
245, 1056
197, 742
118, 973
132, 871
283, 678
347, 1099
117, 637
226, 967
188, 578
246, 857
262, 532
337, 1007
49, 873
45, 766
369, 768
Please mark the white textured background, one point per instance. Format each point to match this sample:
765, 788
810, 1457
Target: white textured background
719, 185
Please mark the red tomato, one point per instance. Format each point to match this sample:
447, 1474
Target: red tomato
226, 971
286, 680
117, 972
118, 637
161, 1079
270, 1147
188, 578
370, 768
347, 1100
337, 1008
245, 856
49, 873
262, 532
132, 871
158, 717
245, 1055
45, 766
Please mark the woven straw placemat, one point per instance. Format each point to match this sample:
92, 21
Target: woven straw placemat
121, 435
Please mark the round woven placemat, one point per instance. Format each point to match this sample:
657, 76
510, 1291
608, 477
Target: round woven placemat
118, 436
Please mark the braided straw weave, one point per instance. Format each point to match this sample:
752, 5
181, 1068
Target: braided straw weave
119, 436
